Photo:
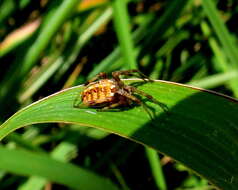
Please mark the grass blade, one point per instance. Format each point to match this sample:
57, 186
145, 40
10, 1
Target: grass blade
47, 33
156, 168
121, 21
28, 163
221, 31
215, 80
225, 38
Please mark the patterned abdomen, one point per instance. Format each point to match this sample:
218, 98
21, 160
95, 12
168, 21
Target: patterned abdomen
100, 92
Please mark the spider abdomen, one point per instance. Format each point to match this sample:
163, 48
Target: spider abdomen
100, 92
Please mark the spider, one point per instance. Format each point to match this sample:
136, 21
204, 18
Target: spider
102, 92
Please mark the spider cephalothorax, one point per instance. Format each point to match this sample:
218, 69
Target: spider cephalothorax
102, 92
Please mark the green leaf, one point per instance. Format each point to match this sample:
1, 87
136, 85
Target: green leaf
29, 163
199, 131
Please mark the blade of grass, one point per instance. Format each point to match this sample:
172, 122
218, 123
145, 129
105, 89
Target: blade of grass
225, 38
119, 177
17, 37
115, 55
215, 80
171, 43
159, 26
53, 25
11, 85
221, 31
28, 163
221, 61
50, 69
23, 143
156, 168
121, 22
63, 152
46, 72
7, 8
195, 131
84, 37
192, 63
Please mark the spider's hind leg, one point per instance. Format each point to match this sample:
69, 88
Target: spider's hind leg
138, 101
109, 107
151, 98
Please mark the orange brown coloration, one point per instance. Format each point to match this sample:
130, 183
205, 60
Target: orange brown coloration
110, 93
99, 92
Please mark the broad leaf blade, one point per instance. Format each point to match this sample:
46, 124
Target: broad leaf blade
200, 130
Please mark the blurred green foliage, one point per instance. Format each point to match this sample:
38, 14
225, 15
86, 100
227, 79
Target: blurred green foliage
46, 46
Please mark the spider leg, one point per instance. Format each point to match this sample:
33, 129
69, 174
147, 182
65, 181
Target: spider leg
133, 72
162, 105
111, 106
138, 101
78, 102
101, 75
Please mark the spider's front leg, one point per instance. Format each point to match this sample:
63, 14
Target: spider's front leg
133, 72
101, 75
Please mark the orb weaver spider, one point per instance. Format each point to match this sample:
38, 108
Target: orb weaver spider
102, 92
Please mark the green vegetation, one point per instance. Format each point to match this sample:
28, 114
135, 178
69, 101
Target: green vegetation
48, 46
